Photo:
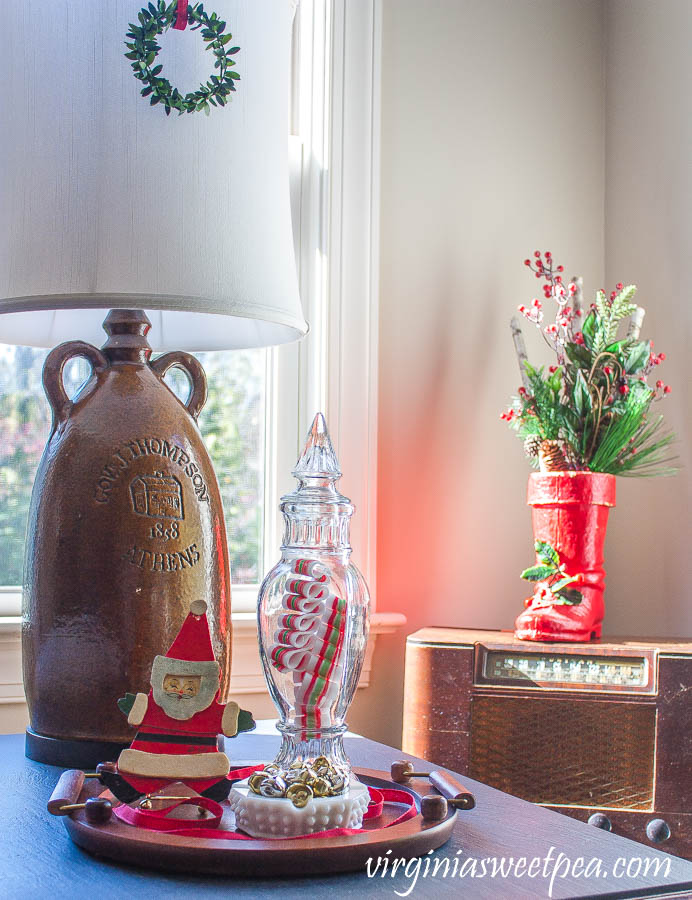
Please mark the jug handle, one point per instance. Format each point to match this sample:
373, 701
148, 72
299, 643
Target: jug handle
194, 371
53, 369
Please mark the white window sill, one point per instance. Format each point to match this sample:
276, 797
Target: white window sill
246, 678
244, 600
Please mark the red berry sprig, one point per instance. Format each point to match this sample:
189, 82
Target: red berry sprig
559, 333
661, 389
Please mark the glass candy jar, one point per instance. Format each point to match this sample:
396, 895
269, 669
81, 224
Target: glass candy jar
313, 621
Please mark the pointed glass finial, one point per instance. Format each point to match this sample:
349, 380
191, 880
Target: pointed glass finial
318, 459
316, 513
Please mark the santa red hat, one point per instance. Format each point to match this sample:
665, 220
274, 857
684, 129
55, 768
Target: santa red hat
193, 641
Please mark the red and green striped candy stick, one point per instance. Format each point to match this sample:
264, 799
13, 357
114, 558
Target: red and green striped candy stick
288, 659
298, 621
300, 639
306, 588
316, 683
299, 603
310, 567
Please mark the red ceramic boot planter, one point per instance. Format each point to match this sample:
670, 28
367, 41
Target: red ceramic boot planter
569, 512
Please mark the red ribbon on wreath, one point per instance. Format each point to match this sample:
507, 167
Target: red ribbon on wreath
181, 15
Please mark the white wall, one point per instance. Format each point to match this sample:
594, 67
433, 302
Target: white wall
648, 217
493, 145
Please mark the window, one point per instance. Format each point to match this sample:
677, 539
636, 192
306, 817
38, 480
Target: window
24, 425
261, 402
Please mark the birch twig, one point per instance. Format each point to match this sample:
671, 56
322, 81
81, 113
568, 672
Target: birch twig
520, 348
577, 297
635, 325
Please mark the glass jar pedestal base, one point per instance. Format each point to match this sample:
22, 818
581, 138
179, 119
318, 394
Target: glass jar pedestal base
306, 749
278, 817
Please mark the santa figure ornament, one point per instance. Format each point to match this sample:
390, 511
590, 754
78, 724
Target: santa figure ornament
179, 721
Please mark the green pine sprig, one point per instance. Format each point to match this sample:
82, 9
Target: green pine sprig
631, 445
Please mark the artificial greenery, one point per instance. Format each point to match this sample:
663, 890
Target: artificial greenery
595, 405
143, 48
557, 588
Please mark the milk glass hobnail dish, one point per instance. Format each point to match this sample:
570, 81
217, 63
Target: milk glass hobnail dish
313, 613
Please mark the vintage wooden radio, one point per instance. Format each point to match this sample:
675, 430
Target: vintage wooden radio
599, 731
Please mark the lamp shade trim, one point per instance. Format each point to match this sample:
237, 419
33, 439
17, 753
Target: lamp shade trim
44, 321
172, 302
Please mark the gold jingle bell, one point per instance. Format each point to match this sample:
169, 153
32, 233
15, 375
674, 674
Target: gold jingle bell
299, 794
338, 784
301, 781
320, 787
274, 786
255, 782
322, 765
309, 775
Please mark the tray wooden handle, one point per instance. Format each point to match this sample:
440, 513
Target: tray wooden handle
66, 792
452, 789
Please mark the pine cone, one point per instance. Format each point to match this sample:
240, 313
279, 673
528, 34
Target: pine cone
532, 445
551, 457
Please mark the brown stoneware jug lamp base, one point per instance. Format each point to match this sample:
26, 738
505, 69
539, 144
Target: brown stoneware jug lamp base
125, 530
70, 754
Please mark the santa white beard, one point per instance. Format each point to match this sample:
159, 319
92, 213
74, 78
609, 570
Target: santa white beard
185, 707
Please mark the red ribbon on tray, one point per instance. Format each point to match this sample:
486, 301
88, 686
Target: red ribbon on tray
162, 820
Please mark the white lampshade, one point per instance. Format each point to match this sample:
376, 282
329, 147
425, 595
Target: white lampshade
107, 202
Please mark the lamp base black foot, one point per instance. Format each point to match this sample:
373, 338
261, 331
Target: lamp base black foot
70, 754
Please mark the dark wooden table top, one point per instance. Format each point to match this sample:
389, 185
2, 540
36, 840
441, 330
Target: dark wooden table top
38, 860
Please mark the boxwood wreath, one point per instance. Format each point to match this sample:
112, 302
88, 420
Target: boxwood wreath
143, 48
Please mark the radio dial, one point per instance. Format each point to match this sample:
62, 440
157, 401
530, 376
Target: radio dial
657, 831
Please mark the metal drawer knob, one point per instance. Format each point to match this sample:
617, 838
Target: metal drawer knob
598, 820
657, 831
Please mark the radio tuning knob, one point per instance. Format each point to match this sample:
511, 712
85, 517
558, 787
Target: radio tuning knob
657, 831
598, 820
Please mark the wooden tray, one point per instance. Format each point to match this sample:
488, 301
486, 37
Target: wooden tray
261, 858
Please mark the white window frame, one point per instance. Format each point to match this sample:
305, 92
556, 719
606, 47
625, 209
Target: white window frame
334, 164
